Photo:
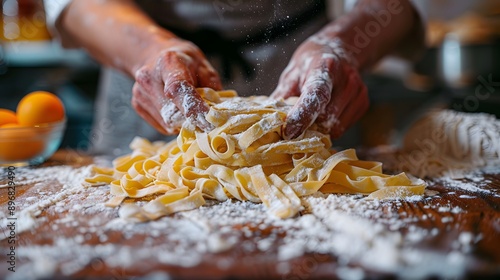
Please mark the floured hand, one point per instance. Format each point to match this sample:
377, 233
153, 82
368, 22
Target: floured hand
331, 91
164, 91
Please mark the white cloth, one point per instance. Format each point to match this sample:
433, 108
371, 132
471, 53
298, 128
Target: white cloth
53, 11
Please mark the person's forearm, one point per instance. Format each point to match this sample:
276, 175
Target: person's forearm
115, 32
375, 28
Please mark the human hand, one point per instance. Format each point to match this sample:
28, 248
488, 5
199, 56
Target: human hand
164, 93
332, 94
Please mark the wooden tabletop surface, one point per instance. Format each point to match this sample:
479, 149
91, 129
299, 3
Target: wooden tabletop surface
478, 215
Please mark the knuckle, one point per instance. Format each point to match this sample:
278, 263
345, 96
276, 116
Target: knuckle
173, 77
169, 56
170, 90
166, 56
143, 76
173, 85
186, 55
177, 89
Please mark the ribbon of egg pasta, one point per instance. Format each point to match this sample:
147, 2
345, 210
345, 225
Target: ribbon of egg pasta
246, 158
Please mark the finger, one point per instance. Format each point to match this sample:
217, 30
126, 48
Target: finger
165, 113
136, 104
189, 102
315, 94
345, 88
362, 105
172, 117
147, 117
148, 91
288, 84
352, 113
179, 88
144, 77
208, 77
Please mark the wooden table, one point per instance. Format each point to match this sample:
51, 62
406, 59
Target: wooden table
68, 218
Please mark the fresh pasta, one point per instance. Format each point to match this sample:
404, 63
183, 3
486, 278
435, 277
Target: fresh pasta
246, 158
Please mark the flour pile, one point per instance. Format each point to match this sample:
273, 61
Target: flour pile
450, 143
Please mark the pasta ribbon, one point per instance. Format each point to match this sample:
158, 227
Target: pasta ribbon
244, 157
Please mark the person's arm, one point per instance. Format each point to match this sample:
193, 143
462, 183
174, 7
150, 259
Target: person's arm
324, 70
376, 28
166, 68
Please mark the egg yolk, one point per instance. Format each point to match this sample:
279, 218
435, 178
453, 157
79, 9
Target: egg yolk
17, 144
39, 107
7, 116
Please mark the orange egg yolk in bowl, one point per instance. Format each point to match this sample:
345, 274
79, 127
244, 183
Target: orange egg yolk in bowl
29, 145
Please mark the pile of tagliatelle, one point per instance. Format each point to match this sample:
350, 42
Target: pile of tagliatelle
246, 158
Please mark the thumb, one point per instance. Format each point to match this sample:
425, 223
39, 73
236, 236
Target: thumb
288, 85
316, 93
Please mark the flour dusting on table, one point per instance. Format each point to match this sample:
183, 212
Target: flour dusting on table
348, 227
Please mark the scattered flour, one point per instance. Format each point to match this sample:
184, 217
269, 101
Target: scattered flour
463, 185
172, 117
452, 144
348, 227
